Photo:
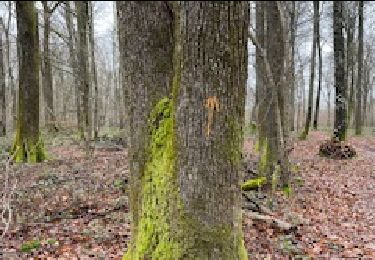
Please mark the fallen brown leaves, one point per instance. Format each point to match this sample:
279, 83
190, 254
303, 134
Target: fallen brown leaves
335, 205
77, 209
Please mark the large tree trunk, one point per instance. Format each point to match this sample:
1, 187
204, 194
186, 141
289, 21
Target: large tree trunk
28, 146
47, 71
93, 70
82, 22
340, 126
3, 111
312, 71
73, 61
358, 118
187, 204
317, 103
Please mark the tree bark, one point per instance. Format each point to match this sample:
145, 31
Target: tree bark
340, 126
312, 71
28, 146
94, 70
293, 28
358, 118
73, 61
47, 71
328, 105
187, 205
317, 103
12, 86
260, 73
3, 111
350, 64
82, 22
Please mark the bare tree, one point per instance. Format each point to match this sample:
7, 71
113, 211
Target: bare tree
358, 118
340, 126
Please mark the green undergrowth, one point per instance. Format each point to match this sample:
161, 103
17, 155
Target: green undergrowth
30, 245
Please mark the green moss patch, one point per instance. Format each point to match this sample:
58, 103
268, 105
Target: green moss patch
30, 245
253, 184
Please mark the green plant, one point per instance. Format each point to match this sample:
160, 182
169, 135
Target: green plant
30, 245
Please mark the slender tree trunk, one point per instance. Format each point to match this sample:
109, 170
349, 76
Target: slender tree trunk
28, 146
12, 86
73, 61
328, 105
260, 73
82, 22
94, 70
358, 119
350, 65
316, 115
340, 126
312, 70
293, 28
3, 111
365, 92
47, 71
191, 115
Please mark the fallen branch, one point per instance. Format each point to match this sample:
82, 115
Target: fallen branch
275, 222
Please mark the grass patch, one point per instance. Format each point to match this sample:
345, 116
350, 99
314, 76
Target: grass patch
30, 245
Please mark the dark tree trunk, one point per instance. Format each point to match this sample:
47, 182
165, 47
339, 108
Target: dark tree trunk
82, 22
317, 103
3, 111
293, 28
93, 70
260, 73
312, 71
358, 118
340, 126
350, 65
28, 146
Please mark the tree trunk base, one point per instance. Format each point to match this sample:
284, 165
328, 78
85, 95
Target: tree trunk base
335, 149
28, 151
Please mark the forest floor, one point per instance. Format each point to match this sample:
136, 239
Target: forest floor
74, 207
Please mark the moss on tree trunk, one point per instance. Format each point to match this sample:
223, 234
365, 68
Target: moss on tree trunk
28, 146
185, 179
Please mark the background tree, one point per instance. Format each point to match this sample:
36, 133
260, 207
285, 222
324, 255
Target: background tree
82, 22
28, 145
312, 71
340, 126
318, 45
3, 112
358, 118
47, 68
